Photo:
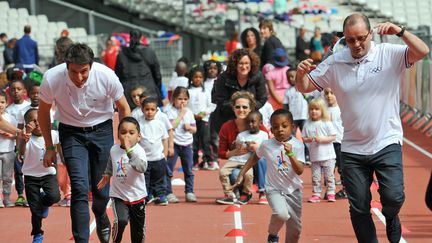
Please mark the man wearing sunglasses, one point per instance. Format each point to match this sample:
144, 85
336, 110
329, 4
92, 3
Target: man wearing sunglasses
365, 78
84, 93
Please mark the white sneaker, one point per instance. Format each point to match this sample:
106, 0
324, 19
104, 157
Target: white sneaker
190, 197
213, 166
172, 198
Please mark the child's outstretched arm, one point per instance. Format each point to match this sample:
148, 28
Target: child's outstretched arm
106, 175
297, 166
253, 160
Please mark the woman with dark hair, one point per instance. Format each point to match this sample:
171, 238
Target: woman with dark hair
242, 74
251, 40
271, 42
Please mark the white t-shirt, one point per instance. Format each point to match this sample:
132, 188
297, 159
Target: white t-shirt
208, 85
181, 136
297, 104
244, 137
152, 133
178, 81
15, 109
20, 119
137, 113
266, 111
368, 95
319, 151
127, 183
335, 115
280, 175
82, 107
34, 154
7, 144
200, 101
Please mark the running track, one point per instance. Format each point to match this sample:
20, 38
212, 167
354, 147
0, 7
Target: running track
207, 222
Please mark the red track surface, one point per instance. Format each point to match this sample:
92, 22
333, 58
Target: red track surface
206, 222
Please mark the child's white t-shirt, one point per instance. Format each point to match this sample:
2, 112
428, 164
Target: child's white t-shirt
335, 115
244, 137
127, 183
34, 155
178, 81
15, 109
298, 105
280, 175
200, 101
208, 85
137, 113
266, 111
319, 151
181, 136
20, 118
152, 133
7, 144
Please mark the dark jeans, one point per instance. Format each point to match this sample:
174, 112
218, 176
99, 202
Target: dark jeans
214, 139
124, 213
358, 175
19, 182
201, 140
86, 155
185, 153
155, 177
337, 148
36, 201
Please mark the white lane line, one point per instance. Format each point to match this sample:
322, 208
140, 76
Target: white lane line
381, 217
418, 148
238, 224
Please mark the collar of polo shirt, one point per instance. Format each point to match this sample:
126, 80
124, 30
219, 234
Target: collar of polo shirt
71, 84
344, 56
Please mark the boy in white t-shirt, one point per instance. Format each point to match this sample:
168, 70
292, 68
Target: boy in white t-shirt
154, 140
41, 185
247, 143
295, 102
335, 116
7, 155
285, 163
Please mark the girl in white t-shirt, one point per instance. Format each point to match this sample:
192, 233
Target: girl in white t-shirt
127, 165
201, 106
183, 122
285, 163
40, 183
7, 155
319, 133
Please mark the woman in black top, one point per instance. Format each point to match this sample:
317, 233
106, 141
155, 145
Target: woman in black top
271, 42
250, 39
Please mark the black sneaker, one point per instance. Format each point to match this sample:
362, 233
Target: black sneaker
244, 198
225, 200
393, 229
103, 228
341, 194
272, 239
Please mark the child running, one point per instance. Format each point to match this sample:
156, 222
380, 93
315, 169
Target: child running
201, 106
155, 143
41, 185
183, 122
128, 189
319, 134
285, 157
7, 155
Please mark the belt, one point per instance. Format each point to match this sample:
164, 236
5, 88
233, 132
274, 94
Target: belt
86, 129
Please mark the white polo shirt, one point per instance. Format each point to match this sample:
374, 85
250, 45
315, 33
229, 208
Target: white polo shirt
82, 107
368, 95
34, 154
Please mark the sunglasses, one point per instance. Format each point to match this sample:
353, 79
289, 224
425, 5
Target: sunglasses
244, 107
360, 39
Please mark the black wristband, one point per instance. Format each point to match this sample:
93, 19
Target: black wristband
401, 33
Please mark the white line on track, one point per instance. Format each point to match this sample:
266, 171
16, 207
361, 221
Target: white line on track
381, 217
238, 224
418, 148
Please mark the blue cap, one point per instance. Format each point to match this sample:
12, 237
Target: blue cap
280, 57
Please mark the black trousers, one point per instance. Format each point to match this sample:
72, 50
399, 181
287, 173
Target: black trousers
36, 201
155, 177
201, 140
123, 213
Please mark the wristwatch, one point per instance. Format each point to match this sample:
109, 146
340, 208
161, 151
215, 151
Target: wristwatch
401, 33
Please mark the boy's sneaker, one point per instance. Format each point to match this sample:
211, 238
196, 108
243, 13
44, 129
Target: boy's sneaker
213, 166
7, 203
161, 200
225, 201
1, 203
244, 198
150, 198
38, 238
331, 198
205, 166
341, 194
196, 167
190, 197
262, 198
314, 199
172, 198
65, 202
21, 201
272, 239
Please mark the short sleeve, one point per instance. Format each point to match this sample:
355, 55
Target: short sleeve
190, 118
321, 76
46, 94
164, 119
298, 149
330, 129
260, 151
164, 132
55, 137
398, 54
116, 91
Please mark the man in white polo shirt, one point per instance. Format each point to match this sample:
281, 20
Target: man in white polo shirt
83, 93
365, 78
